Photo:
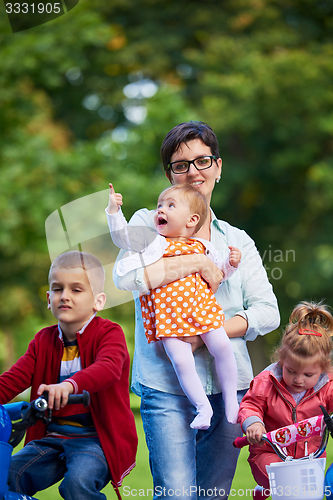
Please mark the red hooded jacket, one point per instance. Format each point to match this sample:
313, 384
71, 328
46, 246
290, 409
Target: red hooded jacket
105, 375
269, 400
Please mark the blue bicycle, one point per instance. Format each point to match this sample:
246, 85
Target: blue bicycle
15, 418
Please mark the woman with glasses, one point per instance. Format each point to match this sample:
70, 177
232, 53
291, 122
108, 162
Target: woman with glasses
186, 462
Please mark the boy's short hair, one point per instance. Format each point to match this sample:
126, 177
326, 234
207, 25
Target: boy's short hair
75, 259
197, 202
183, 133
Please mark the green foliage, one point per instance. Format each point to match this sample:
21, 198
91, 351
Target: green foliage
73, 119
258, 71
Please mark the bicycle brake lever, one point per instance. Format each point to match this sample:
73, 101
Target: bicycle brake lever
44, 413
47, 419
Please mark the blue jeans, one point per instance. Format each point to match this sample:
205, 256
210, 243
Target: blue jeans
186, 463
43, 462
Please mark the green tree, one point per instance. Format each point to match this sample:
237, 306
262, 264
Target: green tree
87, 99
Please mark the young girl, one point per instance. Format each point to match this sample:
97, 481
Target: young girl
291, 389
187, 307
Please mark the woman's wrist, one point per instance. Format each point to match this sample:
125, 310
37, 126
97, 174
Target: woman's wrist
236, 326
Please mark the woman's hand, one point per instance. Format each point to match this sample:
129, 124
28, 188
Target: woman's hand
211, 273
195, 342
254, 432
169, 269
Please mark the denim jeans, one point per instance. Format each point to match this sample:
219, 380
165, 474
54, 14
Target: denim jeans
43, 462
186, 463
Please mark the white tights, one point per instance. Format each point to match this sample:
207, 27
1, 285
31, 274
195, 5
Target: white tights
219, 345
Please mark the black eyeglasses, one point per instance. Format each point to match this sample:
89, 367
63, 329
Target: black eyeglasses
201, 163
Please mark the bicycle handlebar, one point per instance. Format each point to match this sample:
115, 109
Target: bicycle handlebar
240, 442
321, 425
83, 399
24, 415
73, 399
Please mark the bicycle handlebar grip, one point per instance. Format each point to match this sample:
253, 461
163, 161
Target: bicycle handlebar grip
240, 442
83, 398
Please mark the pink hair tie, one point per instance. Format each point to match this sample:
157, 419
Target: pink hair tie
307, 331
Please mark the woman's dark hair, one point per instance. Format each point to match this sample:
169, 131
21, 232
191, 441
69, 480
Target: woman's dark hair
183, 133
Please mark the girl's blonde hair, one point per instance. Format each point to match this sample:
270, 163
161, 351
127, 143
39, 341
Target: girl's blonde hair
308, 334
196, 201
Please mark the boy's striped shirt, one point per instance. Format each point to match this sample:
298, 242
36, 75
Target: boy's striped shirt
72, 420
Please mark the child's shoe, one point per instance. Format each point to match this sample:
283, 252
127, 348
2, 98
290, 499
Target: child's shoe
260, 492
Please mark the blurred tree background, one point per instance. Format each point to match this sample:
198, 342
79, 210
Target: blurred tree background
87, 98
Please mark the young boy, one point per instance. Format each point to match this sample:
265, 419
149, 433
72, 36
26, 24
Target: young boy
87, 447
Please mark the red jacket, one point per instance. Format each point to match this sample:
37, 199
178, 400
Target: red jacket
105, 375
270, 401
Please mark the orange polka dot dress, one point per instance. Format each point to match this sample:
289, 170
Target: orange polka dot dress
183, 308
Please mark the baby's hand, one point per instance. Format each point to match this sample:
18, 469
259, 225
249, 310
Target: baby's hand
234, 256
115, 201
254, 432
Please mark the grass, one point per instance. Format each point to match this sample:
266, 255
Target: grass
139, 482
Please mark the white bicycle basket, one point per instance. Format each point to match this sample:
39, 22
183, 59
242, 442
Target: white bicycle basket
297, 479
